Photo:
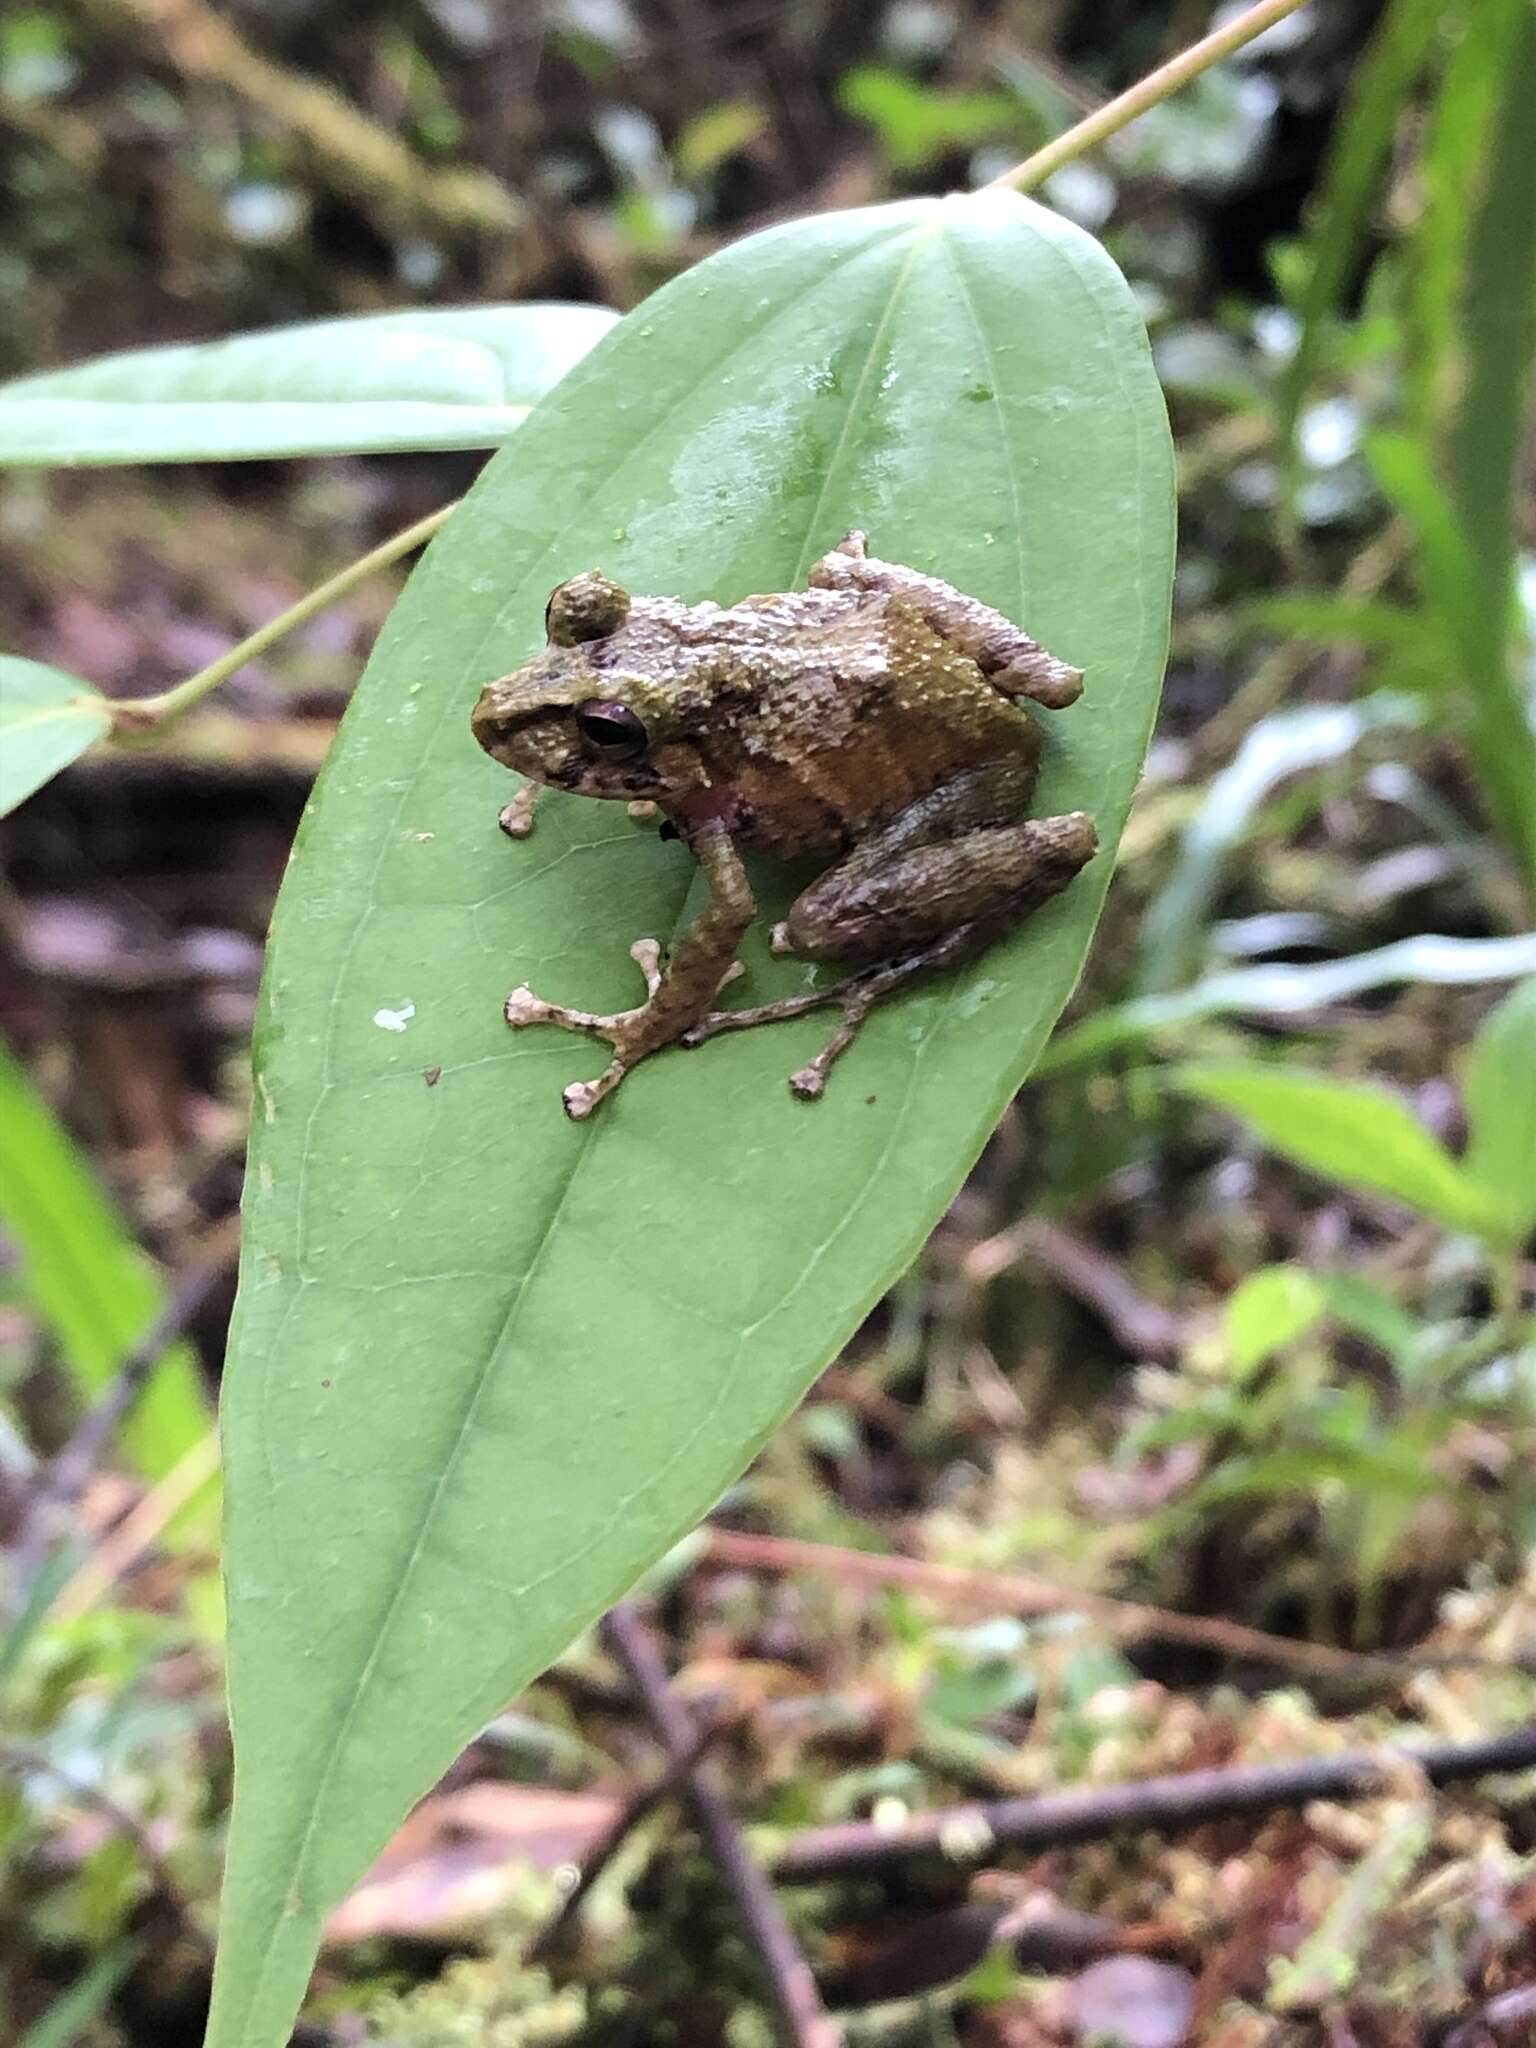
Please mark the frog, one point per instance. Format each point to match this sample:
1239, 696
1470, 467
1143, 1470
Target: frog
875, 719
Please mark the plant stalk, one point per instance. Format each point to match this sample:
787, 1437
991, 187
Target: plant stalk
138, 715
1150, 91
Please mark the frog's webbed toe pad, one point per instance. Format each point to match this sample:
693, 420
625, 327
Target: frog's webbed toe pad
523, 1007
582, 1097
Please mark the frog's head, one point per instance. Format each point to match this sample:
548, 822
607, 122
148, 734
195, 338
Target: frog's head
584, 715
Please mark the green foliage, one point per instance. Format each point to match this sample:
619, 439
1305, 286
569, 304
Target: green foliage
1288, 991
1358, 1134
1401, 48
1499, 1086
1479, 696
456, 1427
47, 720
1349, 1131
715, 134
1459, 311
460, 378
65, 2023
1268, 1310
91, 1286
915, 122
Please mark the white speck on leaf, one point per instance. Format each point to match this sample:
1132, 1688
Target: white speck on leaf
394, 1020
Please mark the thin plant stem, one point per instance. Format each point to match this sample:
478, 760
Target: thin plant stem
136, 715
1150, 91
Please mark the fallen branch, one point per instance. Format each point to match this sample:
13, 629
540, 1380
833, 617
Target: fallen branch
793, 1988
981, 1830
1011, 1593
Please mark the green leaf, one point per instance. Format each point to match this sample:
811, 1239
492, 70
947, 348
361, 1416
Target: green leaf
1348, 1131
47, 720
488, 1365
88, 1281
918, 122
1269, 1310
462, 378
1500, 1091
716, 133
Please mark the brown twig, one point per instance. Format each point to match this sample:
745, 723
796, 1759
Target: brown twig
672, 1781
70, 1471
1011, 1593
980, 1830
793, 1988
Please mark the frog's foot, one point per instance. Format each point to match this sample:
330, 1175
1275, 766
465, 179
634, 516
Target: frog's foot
516, 818
855, 997
631, 1033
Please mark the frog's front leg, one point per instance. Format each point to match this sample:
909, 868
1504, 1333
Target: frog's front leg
679, 994
1006, 655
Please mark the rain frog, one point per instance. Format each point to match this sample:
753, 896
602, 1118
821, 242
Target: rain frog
872, 719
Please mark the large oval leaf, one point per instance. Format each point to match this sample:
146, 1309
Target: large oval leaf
47, 720
487, 1365
461, 378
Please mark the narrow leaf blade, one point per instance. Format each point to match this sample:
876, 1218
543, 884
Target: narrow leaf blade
1347, 1131
86, 1278
1500, 1091
461, 378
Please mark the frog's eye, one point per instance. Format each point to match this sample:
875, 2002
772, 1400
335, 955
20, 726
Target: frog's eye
611, 731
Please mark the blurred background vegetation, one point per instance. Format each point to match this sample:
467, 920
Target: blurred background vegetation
1234, 1319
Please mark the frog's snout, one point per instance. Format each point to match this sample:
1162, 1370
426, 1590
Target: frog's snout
489, 722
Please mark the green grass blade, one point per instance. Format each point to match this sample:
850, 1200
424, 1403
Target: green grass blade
1399, 51
67, 2020
1347, 1131
91, 1285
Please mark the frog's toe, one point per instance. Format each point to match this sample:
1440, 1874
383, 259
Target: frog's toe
524, 1007
582, 1097
646, 954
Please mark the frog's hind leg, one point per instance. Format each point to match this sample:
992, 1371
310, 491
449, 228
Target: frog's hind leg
1010, 660
910, 916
